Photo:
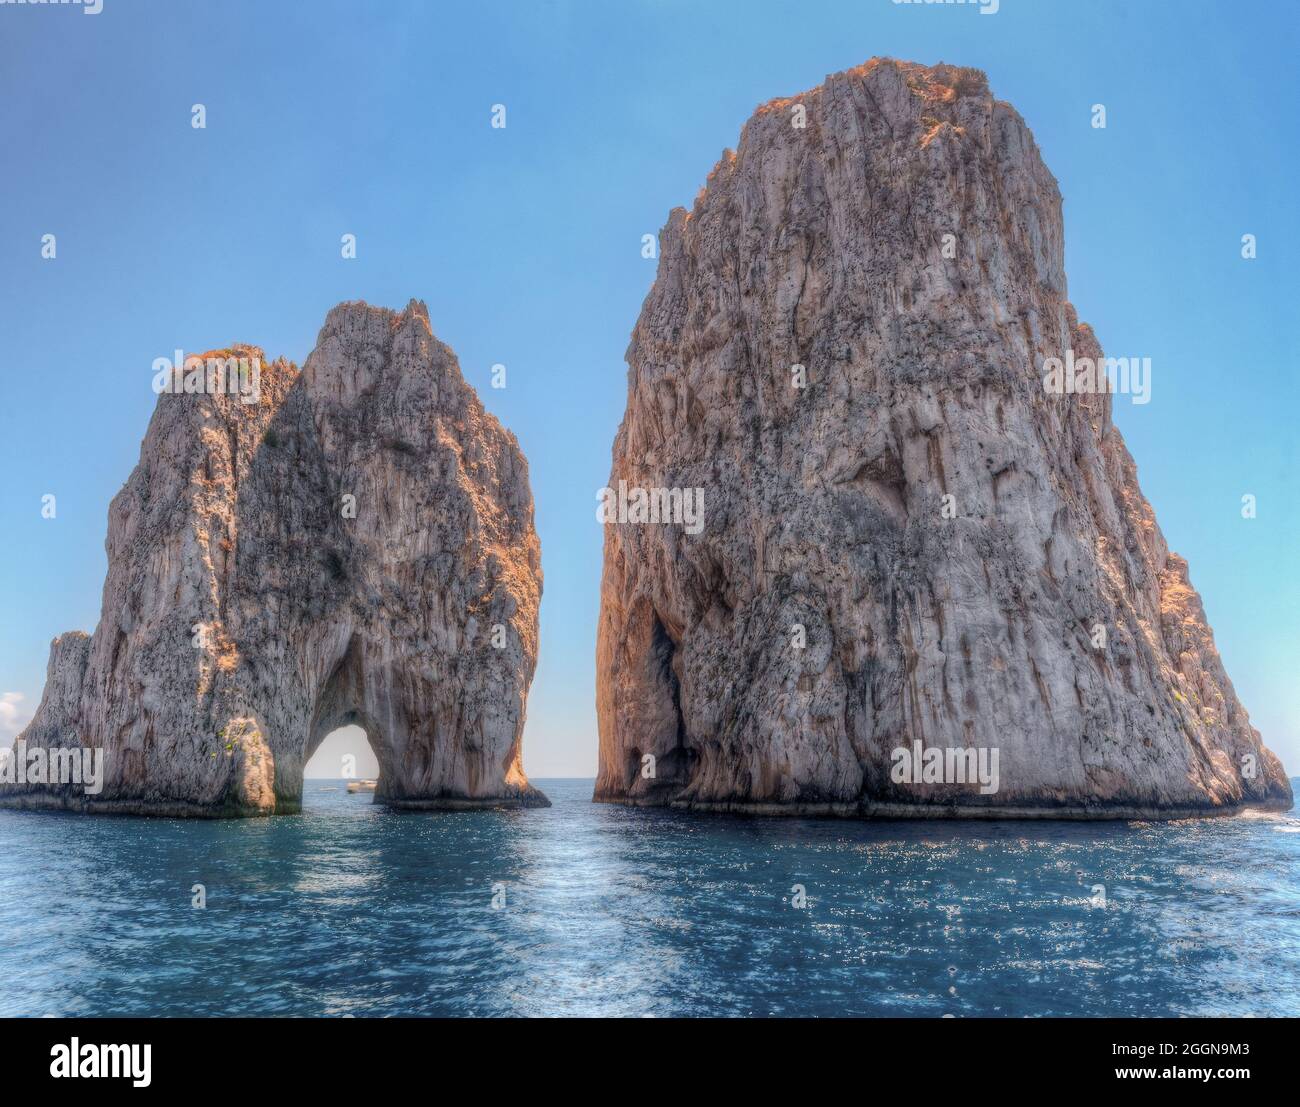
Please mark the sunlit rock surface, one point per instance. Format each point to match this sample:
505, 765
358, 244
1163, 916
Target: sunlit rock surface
823, 247
355, 547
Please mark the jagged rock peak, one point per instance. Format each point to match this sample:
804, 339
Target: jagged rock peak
352, 543
899, 540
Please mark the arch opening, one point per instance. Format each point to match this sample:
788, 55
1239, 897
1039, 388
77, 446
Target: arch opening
342, 756
343, 742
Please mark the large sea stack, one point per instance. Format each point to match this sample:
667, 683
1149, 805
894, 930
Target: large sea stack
908, 543
353, 545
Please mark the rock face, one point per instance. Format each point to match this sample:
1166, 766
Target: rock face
922, 545
357, 546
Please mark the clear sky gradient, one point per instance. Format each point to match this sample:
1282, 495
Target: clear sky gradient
373, 119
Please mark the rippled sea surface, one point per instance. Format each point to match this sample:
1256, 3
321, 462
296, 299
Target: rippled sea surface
349, 909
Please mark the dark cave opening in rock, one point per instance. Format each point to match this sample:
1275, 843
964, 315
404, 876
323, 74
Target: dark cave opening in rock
672, 768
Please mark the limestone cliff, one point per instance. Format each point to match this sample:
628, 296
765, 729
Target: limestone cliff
354, 546
906, 538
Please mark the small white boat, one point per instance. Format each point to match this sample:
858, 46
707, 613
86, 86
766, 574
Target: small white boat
362, 785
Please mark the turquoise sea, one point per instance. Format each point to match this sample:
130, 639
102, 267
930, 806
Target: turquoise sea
584, 909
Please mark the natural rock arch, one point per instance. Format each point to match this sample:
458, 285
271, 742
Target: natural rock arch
355, 543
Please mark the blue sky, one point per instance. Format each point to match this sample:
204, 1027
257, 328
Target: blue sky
373, 119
